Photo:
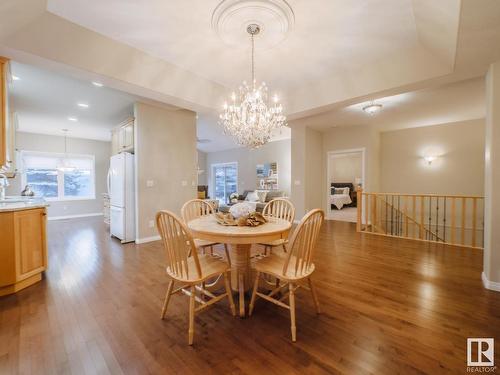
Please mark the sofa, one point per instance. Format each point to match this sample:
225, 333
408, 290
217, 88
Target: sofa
270, 195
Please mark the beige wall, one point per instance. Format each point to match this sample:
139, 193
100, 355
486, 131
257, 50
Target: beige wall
202, 164
307, 166
313, 170
348, 138
298, 160
345, 167
459, 168
491, 265
247, 160
165, 152
49, 143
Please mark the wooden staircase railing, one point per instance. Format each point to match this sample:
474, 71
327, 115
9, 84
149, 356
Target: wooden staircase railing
452, 219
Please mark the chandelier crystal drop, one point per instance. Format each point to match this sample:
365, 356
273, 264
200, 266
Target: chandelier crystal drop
249, 117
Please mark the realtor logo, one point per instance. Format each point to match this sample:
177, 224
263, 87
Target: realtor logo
480, 352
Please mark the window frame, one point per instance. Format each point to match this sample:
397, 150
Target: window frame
60, 174
213, 176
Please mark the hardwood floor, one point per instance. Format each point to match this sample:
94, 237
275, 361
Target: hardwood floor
389, 306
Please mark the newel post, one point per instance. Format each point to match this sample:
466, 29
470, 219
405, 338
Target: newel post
359, 203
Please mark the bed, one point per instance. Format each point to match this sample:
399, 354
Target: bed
345, 198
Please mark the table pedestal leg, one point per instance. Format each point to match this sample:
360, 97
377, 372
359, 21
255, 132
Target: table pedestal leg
240, 272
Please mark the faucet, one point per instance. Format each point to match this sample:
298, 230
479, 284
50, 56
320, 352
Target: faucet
3, 185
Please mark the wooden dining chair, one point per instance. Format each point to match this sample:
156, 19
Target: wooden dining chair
189, 268
292, 268
281, 208
194, 209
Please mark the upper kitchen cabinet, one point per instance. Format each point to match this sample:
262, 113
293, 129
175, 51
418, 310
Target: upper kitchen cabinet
7, 123
122, 137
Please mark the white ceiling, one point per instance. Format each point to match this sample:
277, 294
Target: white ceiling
337, 54
44, 100
459, 101
329, 36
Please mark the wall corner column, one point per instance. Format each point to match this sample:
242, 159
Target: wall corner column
491, 258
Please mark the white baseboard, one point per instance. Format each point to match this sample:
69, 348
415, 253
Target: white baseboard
74, 216
491, 285
147, 239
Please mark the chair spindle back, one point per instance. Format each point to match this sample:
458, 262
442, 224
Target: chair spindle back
195, 208
302, 244
177, 243
280, 208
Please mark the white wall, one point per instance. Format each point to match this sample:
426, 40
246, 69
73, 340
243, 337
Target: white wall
248, 159
459, 168
165, 149
50, 143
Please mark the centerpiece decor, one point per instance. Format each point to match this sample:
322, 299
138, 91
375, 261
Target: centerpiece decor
241, 214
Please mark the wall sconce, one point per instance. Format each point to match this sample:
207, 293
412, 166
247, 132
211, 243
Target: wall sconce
429, 159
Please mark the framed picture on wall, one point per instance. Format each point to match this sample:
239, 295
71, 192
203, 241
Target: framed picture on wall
267, 176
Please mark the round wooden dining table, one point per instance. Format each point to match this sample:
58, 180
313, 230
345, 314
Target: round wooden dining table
240, 240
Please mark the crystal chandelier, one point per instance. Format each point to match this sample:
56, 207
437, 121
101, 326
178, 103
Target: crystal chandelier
249, 117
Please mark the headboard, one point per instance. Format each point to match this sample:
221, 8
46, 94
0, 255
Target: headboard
342, 185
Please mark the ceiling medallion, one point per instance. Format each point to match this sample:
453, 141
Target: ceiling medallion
231, 17
249, 118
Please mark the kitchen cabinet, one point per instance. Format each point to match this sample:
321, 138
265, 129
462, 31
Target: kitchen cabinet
23, 255
122, 137
8, 122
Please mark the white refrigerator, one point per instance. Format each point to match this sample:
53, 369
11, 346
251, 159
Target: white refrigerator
121, 189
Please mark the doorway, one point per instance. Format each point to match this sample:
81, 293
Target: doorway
345, 173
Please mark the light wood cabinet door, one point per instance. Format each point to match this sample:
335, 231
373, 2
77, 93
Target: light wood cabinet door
128, 136
122, 137
30, 242
3, 111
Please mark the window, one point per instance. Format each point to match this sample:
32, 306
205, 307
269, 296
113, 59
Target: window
225, 180
40, 171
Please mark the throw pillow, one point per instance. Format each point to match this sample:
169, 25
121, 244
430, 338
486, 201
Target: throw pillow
262, 196
274, 194
252, 197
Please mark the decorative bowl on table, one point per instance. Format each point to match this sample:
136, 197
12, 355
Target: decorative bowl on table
241, 209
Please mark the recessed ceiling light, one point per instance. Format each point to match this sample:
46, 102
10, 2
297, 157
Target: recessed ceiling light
372, 108
74, 119
98, 84
83, 105
15, 78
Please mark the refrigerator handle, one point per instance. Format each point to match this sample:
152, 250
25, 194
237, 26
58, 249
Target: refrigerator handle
108, 178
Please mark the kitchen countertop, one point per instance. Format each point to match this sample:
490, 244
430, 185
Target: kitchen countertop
21, 203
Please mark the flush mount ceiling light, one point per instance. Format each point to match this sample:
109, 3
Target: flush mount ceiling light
98, 84
249, 118
74, 119
429, 159
83, 105
372, 108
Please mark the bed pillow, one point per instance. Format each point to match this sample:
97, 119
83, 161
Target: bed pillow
252, 197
